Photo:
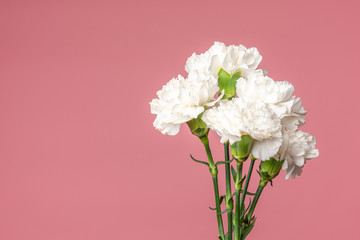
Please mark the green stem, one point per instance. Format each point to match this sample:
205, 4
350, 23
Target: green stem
228, 196
214, 172
218, 208
237, 200
255, 200
246, 187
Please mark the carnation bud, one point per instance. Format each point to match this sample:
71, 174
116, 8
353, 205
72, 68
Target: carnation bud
269, 169
227, 82
240, 150
198, 127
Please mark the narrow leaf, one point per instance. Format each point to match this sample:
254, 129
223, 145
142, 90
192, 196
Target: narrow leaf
233, 172
247, 230
198, 161
248, 193
224, 211
248, 205
221, 199
242, 179
226, 236
223, 162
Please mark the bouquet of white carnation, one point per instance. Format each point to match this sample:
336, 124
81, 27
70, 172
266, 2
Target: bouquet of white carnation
254, 116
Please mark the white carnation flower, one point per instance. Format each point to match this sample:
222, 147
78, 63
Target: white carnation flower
231, 59
278, 94
235, 118
181, 100
297, 147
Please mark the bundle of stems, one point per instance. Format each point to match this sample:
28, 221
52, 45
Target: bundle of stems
240, 220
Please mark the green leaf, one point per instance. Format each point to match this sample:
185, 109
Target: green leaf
247, 230
221, 199
224, 211
248, 205
198, 161
233, 173
242, 179
223, 162
248, 193
227, 234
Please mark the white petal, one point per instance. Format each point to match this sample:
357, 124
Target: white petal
266, 149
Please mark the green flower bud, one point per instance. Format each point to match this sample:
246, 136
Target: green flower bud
240, 150
198, 127
227, 82
269, 169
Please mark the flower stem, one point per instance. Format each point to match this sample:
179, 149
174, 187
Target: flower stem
255, 200
218, 208
243, 195
214, 173
228, 196
237, 200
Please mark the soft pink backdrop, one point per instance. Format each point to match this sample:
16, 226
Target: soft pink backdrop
79, 158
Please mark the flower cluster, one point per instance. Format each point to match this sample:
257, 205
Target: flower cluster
235, 98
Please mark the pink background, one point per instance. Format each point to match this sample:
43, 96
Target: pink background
79, 158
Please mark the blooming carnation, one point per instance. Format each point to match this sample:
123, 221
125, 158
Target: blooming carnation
232, 119
297, 147
181, 100
231, 59
277, 94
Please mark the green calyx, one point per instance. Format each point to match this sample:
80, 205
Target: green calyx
227, 83
269, 169
240, 150
198, 127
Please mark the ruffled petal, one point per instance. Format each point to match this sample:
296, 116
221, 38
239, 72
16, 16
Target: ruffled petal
266, 149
